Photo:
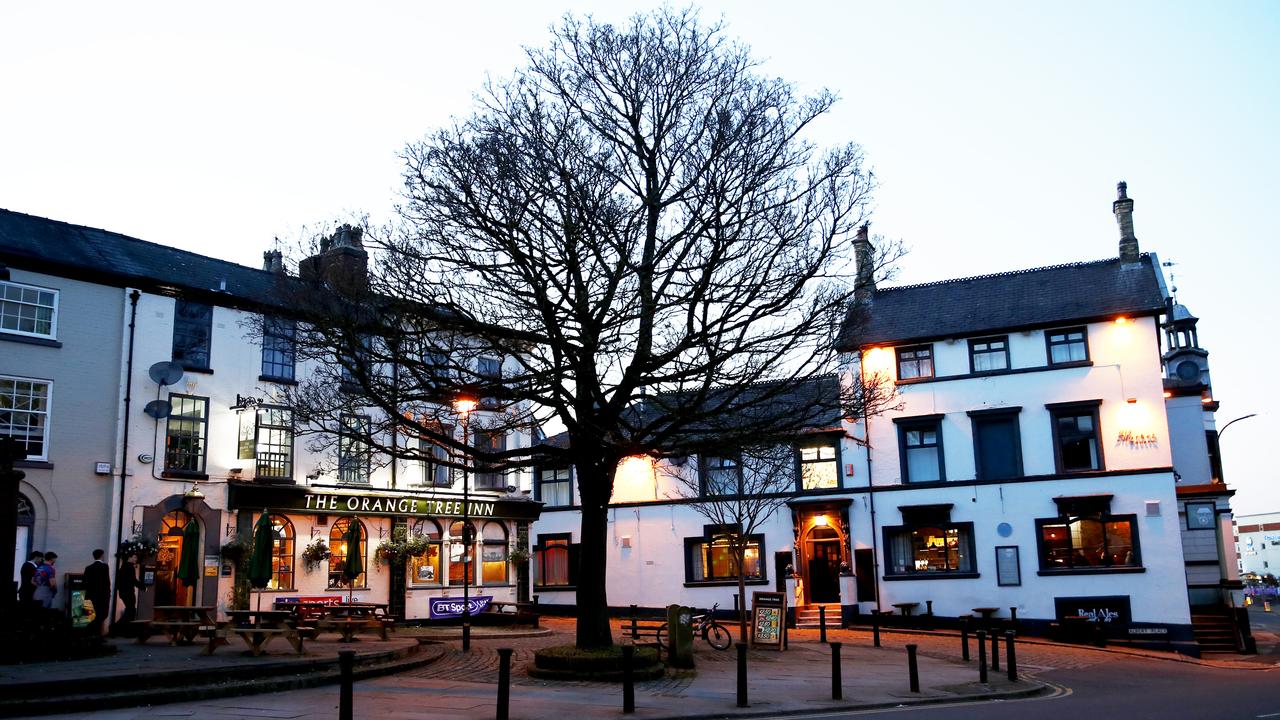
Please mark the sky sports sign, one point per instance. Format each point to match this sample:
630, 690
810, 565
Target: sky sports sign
441, 608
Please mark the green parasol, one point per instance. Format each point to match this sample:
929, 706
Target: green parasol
260, 570
353, 564
189, 563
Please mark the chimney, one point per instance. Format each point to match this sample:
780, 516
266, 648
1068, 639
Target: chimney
273, 261
1123, 208
863, 255
342, 262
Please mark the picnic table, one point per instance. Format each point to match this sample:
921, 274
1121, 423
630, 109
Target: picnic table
179, 623
258, 627
907, 607
349, 618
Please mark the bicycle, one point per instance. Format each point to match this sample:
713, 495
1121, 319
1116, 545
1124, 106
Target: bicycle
716, 635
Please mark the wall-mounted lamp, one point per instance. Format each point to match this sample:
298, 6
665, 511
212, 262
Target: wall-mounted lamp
1132, 401
1122, 320
821, 521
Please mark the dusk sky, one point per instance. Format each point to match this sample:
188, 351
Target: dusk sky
997, 131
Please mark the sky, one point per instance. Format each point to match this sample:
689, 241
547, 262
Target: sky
997, 132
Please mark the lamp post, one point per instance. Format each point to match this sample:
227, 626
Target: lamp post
1233, 422
463, 406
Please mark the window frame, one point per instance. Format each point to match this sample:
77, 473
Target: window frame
1049, 344
436, 473
53, 320
179, 323
485, 542
977, 417
933, 367
204, 438
1008, 359
819, 444
540, 495
284, 545
47, 414
357, 584
259, 426
349, 445
272, 336
437, 542
703, 470
539, 558
710, 535
494, 479
969, 545
1104, 518
919, 422
1076, 409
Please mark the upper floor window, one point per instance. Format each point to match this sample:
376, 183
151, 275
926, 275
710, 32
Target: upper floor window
186, 434
997, 443
24, 414
989, 354
819, 466
920, 449
1067, 345
28, 310
354, 454
279, 348
555, 488
915, 362
486, 477
266, 436
1077, 441
354, 365
721, 475
192, 330
434, 456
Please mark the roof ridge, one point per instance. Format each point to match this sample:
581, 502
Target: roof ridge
762, 383
137, 240
1007, 273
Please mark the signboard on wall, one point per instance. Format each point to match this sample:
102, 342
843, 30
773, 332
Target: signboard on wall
452, 607
1008, 571
769, 620
1110, 610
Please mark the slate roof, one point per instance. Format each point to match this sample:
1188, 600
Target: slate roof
1022, 299
85, 253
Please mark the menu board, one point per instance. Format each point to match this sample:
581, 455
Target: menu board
769, 620
1008, 572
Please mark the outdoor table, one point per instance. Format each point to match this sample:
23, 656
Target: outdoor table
987, 613
349, 618
179, 623
258, 627
907, 608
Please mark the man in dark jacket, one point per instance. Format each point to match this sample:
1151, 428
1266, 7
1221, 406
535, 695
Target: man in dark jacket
97, 587
27, 579
126, 586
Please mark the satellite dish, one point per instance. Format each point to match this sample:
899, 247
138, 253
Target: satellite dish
166, 372
158, 409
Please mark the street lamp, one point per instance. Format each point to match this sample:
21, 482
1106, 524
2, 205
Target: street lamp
464, 406
1242, 417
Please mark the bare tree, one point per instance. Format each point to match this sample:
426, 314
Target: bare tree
635, 222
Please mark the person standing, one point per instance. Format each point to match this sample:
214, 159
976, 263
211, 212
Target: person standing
126, 584
46, 580
27, 579
97, 587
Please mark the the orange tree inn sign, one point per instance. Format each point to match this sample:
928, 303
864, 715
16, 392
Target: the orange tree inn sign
245, 496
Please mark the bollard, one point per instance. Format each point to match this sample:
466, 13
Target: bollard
875, 628
742, 675
504, 683
628, 680
634, 633
964, 640
1013, 614
837, 690
466, 630
822, 623
929, 605
982, 656
912, 671
1012, 664
346, 661
995, 650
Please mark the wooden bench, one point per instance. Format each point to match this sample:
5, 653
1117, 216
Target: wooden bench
179, 632
521, 613
256, 638
348, 627
648, 632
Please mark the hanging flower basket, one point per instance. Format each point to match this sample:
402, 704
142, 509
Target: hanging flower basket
141, 545
400, 547
316, 552
237, 550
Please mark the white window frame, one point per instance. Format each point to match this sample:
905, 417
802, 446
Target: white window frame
53, 324
48, 411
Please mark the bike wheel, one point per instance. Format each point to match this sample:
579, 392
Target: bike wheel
661, 636
718, 636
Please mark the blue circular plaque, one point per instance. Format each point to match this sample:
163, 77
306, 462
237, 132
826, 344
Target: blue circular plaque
1004, 529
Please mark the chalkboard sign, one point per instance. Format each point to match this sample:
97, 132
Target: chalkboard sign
1008, 572
769, 620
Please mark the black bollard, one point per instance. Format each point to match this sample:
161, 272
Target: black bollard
982, 656
346, 663
875, 628
1013, 614
837, 689
504, 683
628, 680
964, 640
822, 623
1012, 664
995, 650
466, 629
912, 671
742, 675
634, 633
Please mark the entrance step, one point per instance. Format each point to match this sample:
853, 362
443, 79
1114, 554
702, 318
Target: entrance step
809, 616
1214, 630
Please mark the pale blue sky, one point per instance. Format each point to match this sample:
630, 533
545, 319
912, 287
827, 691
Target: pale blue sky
998, 132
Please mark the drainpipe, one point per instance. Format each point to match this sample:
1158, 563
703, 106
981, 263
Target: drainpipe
871, 506
124, 445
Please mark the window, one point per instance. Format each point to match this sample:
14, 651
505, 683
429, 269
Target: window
997, 444
461, 553
487, 478
928, 549
434, 470
915, 362
555, 562
489, 370
185, 434
28, 310
1067, 345
920, 448
354, 455
820, 466
425, 570
710, 557
1088, 542
1076, 440
721, 475
555, 487
279, 348
281, 554
266, 435
192, 329
338, 553
989, 354
493, 554
24, 414
354, 365
1215, 455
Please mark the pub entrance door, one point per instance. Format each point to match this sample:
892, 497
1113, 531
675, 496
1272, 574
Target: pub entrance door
822, 565
169, 590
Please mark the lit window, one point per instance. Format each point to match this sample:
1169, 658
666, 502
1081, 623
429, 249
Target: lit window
461, 554
1088, 542
819, 467
28, 310
425, 569
711, 559
24, 414
281, 554
928, 543
338, 552
493, 554
915, 362
554, 563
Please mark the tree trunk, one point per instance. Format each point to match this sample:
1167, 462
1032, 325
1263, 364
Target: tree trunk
594, 486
